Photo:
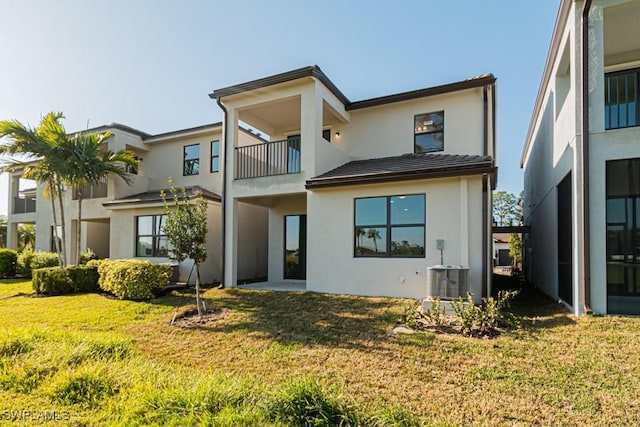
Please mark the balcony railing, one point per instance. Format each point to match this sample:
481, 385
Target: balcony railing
268, 159
24, 205
93, 191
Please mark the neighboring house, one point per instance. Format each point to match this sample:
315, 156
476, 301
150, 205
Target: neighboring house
346, 197
125, 221
582, 161
501, 257
359, 193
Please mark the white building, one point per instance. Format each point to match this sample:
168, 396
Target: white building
358, 193
345, 197
582, 161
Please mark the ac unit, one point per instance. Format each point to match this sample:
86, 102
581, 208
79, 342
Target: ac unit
447, 281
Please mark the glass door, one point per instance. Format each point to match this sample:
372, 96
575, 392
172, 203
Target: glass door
295, 247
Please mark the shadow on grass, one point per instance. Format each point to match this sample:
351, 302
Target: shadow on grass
304, 318
537, 309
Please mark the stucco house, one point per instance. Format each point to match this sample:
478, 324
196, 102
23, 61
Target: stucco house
581, 161
358, 193
309, 188
125, 221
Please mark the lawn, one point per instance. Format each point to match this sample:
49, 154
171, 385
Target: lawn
91, 360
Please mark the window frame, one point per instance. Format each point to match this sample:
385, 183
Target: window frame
428, 132
216, 156
389, 226
636, 77
154, 237
328, 132
185, 160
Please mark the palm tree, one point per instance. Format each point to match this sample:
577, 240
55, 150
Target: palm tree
359, 233
374, 234
45, 160
27, 236
89, 163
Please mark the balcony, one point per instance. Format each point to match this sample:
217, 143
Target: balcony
24, 205
93, 191
268, 159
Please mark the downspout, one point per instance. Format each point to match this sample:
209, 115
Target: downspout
584, 160
224, 192
485, 201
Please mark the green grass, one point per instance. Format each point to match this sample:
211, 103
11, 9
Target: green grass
287, 358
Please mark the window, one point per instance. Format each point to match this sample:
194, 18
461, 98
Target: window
623, 236
215, 156
326, 134
151, 241
191, 164
392, 226
428, 132
621, 99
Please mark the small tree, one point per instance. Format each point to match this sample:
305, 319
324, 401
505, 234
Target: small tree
515, 249
505, 208
186, 229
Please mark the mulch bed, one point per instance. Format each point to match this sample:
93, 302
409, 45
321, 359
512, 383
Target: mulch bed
190, 318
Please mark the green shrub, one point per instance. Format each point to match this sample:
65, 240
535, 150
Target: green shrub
8, 259
133, 279
29, 260
84, 278
485, 319
87, 256
67, 280
52, 281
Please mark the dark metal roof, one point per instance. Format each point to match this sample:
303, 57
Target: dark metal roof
471, 83
403, 168
154, 196
315, 71
181, 131
311, 71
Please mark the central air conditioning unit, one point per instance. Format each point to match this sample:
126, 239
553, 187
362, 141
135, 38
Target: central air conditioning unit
447, 281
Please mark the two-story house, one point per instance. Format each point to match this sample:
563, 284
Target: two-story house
126, 221
582, 161
361, 197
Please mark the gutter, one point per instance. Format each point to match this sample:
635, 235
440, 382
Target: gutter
224, 192
584, 160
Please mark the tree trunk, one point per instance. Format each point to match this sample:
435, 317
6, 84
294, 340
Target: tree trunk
79, 227
62, 222
198, 304
56, 238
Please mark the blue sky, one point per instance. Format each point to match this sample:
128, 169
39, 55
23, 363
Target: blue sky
150, 64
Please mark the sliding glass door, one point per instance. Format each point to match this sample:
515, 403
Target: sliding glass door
295, 247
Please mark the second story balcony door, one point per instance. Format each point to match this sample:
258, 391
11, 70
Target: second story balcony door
293, 154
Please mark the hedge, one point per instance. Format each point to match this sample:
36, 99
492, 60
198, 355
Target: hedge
8, 261
132, 279
67, 280
29, 260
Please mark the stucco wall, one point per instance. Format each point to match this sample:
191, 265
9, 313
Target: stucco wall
287, 206
333, 268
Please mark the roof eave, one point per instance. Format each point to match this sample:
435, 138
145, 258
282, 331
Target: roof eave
400, 176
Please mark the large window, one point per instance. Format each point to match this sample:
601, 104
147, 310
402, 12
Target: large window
191, 165
151, 240
390, 226
215, 156
623, 236
428, 132
621, 99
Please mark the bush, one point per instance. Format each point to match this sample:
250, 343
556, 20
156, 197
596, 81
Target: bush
485, 319
87, 256
29, 260
52, 281
133, 279
67, 280
8, 260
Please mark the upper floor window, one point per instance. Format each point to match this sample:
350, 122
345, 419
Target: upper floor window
215, 156
191, 165
151, 240
392, 226
621, 99
326, 134
428, 131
